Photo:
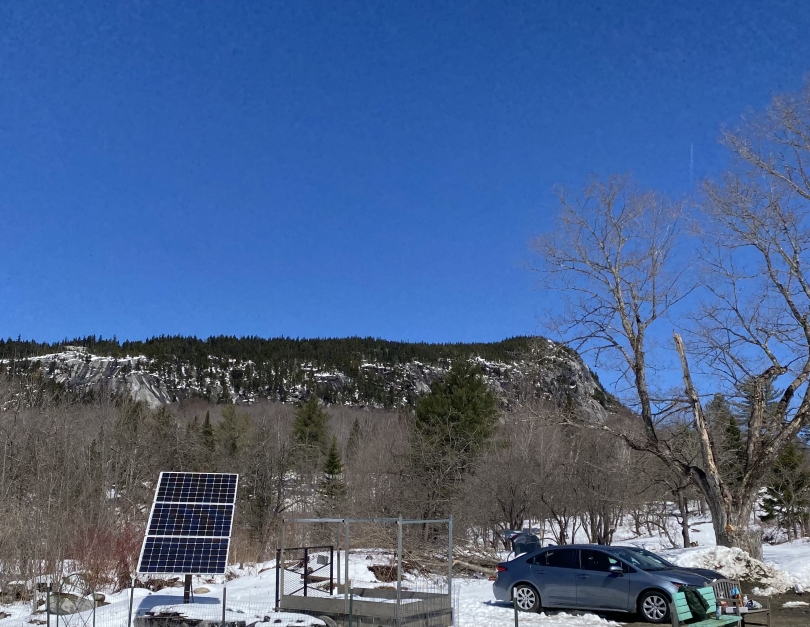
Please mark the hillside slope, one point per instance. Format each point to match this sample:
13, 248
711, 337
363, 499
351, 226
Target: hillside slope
354, 371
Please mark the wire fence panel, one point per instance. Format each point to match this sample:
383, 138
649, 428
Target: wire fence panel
305, 571
165, 608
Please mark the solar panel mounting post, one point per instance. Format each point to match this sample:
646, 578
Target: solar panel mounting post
187, 589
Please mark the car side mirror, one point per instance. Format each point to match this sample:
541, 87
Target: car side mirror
617, 570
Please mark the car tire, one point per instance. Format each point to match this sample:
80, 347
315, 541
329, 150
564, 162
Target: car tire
653, 606
526, 598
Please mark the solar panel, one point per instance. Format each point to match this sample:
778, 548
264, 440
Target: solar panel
196, 487
184, 555
190, 519
190, 524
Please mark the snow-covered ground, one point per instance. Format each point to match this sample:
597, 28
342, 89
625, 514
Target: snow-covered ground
250, 595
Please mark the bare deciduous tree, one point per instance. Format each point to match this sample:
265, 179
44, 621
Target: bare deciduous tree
617, 263
614, 260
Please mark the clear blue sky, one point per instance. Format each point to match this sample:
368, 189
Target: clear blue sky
340, 168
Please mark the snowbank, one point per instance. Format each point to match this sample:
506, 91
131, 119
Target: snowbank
735, 563
792, 557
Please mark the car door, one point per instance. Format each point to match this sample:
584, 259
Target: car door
597, 587
554, 571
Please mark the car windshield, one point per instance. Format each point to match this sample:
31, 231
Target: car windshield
642, 559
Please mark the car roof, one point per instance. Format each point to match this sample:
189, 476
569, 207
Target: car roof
579, 546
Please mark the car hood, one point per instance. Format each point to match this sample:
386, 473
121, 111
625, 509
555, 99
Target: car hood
690, 576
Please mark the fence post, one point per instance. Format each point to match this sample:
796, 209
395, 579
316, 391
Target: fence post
351, 604
337, 544
48, 605
131, 599
346, 546
399, 571
306, 568
450, 555
514, 604
331, 570
280, 578
278, 564
224, 596
94, 608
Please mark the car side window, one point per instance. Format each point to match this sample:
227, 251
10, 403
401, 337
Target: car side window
562, 558
597, 560
537, 560
628, 569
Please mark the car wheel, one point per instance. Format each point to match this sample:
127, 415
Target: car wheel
526, 598
654, 607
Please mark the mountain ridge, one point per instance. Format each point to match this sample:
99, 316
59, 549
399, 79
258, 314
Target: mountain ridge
352, 371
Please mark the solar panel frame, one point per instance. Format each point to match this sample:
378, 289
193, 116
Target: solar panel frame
179, 494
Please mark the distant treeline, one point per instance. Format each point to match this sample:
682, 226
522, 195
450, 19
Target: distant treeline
338, 353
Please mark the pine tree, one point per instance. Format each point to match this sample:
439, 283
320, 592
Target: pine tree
207, 438
725, 428
310, 428
355, 435
234, 430
452, 424
787, 499
332, 488
458, 413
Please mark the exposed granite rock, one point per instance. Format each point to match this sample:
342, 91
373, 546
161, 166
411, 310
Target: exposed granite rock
548, 370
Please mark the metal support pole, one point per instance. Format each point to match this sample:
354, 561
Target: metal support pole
331, 570
346, 564
94, 608
399, 570
450, 555
280, 579
187, 589
306, 568
48, 605
224, 597
131, 599
514, 604
278, 564
351, 604
337, 544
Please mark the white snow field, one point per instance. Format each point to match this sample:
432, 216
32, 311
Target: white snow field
250, 594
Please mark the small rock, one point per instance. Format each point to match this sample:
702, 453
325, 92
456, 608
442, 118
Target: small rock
98, 597
202, 590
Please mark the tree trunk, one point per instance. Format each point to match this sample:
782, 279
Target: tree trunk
731, 507
731, 519
683, 505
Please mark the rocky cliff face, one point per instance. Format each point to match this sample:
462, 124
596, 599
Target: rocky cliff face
546, 370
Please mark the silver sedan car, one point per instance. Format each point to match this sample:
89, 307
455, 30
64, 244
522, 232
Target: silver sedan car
595, 577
